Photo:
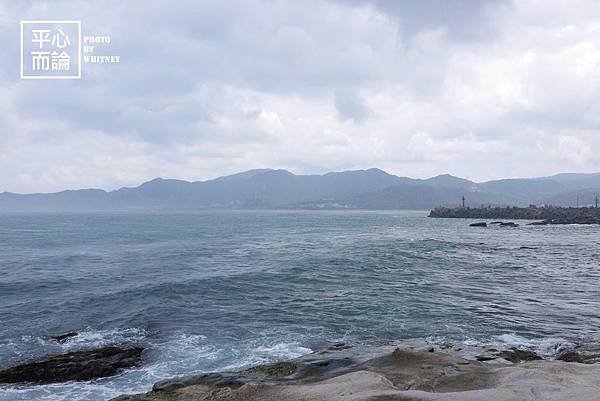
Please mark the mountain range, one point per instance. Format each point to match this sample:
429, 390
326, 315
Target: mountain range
281, 189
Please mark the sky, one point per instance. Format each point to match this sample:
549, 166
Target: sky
481, 90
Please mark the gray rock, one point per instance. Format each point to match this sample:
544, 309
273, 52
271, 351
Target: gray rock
78, 366
570, 356
64, 337
482, 224
515, 355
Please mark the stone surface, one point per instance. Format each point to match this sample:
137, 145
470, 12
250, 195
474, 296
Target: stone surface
482, 224
394, 373
79, 366
64, 337
515, 355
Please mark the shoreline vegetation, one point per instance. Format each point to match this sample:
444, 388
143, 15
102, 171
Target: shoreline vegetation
544, 215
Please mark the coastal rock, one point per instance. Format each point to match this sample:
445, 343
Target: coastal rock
274, 370
78, 366
339, 346
482, 224
320, 367
539, 223
485, 358
588, 354
64, 337
393, 373
212, 380
570, 356
516, 355
509, 224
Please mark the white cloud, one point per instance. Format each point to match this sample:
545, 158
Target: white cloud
506, 89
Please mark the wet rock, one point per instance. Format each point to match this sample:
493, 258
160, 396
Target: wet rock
515, 355
509, 224
339, 346
485, 358
570, 356
386, 373
214, 380
176, 383
274, 370
482, 224
539, 223
78, 366
322, 367
582, 354
64, 337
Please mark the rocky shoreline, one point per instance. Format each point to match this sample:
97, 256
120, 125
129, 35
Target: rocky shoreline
415, 370
406, 371
545, 215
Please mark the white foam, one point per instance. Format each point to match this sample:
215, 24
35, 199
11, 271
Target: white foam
101, 338
546, 347
283, 351
269, 353
177, 355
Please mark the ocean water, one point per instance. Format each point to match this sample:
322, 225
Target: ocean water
212, 291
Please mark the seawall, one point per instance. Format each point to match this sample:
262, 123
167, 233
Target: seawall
545, 215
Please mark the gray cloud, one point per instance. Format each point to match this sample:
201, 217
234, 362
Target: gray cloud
482, 89
351, 106
463, 20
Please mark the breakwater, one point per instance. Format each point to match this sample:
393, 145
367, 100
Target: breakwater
544, 215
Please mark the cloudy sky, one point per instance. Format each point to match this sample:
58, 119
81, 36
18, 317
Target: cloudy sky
482, 90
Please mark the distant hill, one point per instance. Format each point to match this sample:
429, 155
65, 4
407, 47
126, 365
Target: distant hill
358, 189
449, 181
524, 190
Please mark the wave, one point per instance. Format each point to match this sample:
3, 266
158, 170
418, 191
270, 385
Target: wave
179, 354
545, 347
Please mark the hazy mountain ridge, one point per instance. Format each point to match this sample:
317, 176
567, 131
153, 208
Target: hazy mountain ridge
357, 189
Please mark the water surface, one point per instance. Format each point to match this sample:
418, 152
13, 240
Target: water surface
221, 290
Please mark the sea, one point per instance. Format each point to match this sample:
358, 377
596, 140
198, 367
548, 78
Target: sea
224, 290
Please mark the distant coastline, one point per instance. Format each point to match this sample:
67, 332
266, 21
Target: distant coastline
371, 189
544, 215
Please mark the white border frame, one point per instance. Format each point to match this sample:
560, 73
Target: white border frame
78, 76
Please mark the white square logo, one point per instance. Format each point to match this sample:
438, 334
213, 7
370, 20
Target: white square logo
50, 49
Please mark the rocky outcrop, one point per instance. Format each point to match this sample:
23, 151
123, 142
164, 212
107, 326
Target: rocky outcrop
400, 372
586, 353
545, 215
483, 224
79, 366
494, 223
516, 355
63, 338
